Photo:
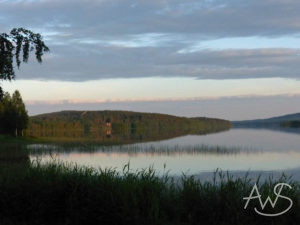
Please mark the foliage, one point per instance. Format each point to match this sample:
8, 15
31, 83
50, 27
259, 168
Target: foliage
13, 115
67, 194
124, 126
18, 42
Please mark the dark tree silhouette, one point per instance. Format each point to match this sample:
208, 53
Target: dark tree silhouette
16, 47
13, 114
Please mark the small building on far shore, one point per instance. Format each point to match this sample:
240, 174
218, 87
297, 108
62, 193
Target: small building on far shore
108, 122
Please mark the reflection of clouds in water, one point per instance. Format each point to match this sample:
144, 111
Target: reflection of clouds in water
263, 151
267, 140
232, 141
178, 163
290, 174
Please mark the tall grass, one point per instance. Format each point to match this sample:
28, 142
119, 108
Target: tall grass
60, 193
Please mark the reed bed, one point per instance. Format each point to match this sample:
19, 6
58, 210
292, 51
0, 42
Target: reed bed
62, 194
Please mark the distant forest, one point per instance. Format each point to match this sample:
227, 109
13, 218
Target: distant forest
119, 125
291, 124
288, 121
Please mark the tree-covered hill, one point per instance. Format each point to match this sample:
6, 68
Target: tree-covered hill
270, 122
119, 125
291, 124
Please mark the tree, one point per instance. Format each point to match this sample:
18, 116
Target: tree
21, 116
13, 115
6, 114
15, 48
18, 42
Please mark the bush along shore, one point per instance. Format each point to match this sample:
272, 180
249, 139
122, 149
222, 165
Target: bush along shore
59, 193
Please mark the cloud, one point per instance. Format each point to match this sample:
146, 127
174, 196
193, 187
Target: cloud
92, 39
91, 63
215, 18
232, 108
153, 100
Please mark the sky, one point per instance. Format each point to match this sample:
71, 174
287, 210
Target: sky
232, 59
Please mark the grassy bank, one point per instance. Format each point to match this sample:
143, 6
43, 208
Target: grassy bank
63, 194
9, 139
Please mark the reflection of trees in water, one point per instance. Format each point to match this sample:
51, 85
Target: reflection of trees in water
119, 126
13, 156
139, 148
110, 136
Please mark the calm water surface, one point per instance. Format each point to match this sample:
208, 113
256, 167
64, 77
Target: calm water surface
234, 150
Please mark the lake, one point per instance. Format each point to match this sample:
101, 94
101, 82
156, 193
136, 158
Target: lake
235, 150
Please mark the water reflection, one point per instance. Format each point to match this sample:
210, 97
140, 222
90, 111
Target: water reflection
13, 156
178, 163
234, 150
135, 149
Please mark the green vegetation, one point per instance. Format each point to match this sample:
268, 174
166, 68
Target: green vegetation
64, 194
12, 139
18, 42
13, 115
118, 126
14, 47
291, 124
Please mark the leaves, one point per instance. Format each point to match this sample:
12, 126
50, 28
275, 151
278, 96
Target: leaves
13, 114
19, 41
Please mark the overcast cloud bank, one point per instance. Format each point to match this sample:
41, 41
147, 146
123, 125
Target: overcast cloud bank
102, 39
